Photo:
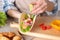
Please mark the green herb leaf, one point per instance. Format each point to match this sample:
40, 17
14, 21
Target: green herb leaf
32, 16
3, 18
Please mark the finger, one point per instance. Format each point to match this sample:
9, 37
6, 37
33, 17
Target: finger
41, 11
36, 6
33, 3
39, 8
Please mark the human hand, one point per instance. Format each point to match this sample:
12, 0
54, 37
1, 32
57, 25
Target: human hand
14, 13
40, 6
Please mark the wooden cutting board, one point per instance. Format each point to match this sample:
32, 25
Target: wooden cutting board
48, 34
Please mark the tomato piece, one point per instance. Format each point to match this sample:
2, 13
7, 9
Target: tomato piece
44, 28
48, 27
28, 21
42, 24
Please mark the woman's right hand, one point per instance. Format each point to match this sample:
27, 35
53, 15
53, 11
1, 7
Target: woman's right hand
14, 13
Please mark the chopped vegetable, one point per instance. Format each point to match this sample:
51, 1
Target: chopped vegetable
44, 27
26, 16
24, 26
41, 24
25, 30
28, 28
48, 27
3, 18
29, 21
56, 24
31, 7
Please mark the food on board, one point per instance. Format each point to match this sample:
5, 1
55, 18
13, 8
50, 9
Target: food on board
56, 24
44, 27
26, 22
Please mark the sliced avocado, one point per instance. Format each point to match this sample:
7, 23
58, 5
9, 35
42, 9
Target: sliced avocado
28, 28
